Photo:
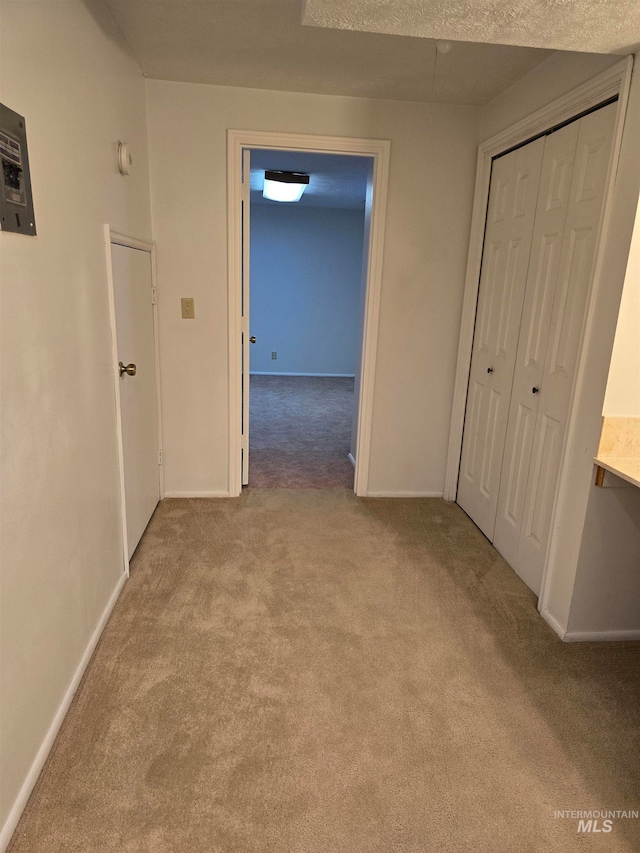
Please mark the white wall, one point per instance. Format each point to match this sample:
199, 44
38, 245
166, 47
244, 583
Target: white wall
577, 513
554, 77
623, 385
306, 265
429, 209
63, 67
606, 595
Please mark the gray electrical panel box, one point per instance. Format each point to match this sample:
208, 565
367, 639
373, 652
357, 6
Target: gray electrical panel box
16, 203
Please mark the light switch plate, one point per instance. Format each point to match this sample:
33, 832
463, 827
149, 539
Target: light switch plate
188, 308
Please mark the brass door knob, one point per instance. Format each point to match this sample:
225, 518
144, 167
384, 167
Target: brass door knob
130, 369
252, 339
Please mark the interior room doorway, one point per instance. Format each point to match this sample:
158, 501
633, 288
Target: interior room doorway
242, 145
307, 271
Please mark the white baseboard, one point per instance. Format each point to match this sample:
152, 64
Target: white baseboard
601, 636
404, 494
589, 636
553, 623
351, 459
32, 776
170, 494
319, 375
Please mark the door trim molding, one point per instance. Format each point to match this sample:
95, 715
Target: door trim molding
614, 81
379, 150
111, 236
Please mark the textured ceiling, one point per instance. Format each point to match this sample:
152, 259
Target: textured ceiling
591, 26
334, 180
263, 44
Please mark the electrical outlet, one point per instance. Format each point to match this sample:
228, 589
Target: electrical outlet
274, 355
188, 308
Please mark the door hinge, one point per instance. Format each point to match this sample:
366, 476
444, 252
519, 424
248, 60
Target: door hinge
159, 457
154, 296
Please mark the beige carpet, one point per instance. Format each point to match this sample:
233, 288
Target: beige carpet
306, 672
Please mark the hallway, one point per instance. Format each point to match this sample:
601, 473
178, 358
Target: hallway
303, 670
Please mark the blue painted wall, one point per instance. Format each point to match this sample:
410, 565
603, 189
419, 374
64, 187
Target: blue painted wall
306, 267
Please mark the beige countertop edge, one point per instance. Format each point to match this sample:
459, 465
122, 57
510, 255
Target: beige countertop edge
627, 468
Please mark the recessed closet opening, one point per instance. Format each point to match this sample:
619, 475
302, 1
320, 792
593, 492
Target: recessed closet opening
545, 209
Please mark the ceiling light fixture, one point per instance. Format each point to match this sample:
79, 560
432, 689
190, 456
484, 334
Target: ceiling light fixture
284, 186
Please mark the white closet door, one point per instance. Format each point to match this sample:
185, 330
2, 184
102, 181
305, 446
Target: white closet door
588, 187
546, 248
512, 203
133, 302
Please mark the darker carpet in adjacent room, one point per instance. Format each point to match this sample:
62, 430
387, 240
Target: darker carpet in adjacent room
300, 432
305, 671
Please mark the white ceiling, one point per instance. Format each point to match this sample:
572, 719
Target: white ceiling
590, 26
334, 180
263, 44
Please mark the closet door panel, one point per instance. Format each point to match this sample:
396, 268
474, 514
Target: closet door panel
540, 289
546, 459
588, 187
512, 202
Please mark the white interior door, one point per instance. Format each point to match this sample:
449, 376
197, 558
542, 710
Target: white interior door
551, 215
246, 344
586, 200
133, 304
515, 180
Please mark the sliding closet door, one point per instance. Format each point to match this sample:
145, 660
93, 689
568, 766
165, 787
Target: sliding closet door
588, 188
546, 249
512, 203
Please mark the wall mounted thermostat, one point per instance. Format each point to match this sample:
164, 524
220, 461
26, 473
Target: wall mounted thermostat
16, 203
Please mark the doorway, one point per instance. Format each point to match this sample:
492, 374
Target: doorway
240, 146
131, 278
306, 286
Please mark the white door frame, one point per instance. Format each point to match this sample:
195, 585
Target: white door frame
111, 236
615, 81
379, 150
